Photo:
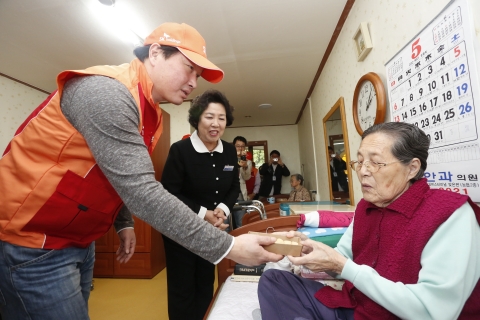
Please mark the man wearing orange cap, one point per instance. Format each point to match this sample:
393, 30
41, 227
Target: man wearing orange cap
81, 162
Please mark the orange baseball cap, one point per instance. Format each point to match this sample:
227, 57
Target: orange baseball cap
190, 43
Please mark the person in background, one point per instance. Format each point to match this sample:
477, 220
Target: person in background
244, 173
272, 172
81, 162
299, 192
411, 252
337, 172
202, 172
253, 184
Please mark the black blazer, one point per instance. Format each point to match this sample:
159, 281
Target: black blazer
201, 179
338, 169
267, 182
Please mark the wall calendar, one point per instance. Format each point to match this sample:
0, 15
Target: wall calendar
433, 83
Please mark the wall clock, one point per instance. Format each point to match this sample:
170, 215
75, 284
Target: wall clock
369, 102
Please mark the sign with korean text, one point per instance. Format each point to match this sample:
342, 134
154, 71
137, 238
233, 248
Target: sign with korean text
433, 83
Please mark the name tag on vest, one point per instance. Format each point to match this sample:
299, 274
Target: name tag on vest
228, 168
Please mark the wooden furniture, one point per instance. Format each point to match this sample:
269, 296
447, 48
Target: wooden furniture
333, 122
149, 257
226, 266
272, 210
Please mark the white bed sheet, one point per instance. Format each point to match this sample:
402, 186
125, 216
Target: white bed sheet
235, 301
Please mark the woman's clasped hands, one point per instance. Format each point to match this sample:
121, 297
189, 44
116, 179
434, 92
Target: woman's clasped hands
216, 218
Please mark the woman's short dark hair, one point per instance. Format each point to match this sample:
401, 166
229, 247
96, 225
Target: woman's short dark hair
201, 102
299, 177
142, 52
409, 142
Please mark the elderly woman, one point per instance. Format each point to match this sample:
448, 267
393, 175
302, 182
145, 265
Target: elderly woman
202, 171
411, 252
299, 192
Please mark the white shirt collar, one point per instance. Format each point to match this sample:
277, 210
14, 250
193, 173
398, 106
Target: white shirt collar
199, 146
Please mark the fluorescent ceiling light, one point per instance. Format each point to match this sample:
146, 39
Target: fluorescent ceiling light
116, 21
265, 106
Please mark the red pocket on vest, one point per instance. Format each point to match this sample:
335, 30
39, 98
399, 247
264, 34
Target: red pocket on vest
78, 210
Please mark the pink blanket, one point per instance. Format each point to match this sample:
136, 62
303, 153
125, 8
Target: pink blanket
325, 219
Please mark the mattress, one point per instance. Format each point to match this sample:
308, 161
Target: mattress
235, 301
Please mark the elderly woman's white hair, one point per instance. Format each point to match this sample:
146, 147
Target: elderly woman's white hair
410, 142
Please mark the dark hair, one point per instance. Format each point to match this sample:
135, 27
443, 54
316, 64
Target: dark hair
201, 102
142, 52
240, 138
275, 151
330, 148
299, 177
410, 142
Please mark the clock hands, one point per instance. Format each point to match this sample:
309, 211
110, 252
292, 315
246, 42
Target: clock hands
369, 100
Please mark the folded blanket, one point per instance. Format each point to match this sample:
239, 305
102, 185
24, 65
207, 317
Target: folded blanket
313, 232
325, 219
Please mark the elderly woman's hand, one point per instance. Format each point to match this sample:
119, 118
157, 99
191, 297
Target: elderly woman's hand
291, 234
320, 258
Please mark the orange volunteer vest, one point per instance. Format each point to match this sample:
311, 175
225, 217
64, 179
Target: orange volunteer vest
53, 194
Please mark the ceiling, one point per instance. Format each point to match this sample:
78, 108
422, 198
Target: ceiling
270, 50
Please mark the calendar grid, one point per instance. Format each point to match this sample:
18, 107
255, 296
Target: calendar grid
433, 83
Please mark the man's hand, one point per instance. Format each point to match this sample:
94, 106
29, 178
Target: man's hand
280, 162
243, 164
127, 245
248, 250
251, 196
320, 258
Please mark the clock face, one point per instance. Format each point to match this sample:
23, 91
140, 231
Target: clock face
367, 105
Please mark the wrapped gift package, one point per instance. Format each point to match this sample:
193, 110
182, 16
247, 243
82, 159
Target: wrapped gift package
284, 246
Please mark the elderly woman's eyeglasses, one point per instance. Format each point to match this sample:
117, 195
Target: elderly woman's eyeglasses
371, 166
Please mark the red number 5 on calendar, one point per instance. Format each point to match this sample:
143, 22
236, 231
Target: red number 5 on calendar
416, 48
457, 51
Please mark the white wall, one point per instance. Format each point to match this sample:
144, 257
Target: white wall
392, 24
17, 101
179, 125
281, 138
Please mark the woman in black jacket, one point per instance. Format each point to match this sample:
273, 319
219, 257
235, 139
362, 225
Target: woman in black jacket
202, 171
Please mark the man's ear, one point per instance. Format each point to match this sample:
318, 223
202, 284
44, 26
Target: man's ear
414, 167
154, 53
